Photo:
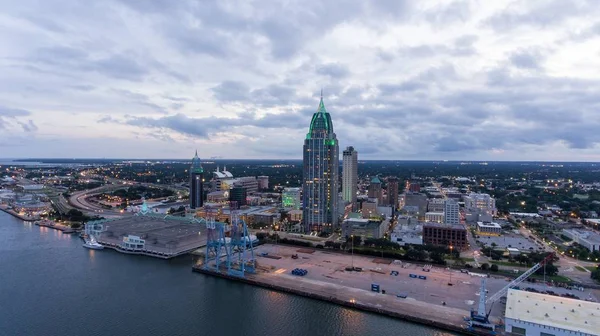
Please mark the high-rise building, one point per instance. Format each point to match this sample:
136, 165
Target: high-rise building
412, 186
445, 235
320, 174
350, 175
451, 212
392, 191
196, 183
483, 203
237, 196
290, 198
375, 190
263, 182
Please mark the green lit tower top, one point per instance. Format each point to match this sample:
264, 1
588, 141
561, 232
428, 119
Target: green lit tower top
196, 164
320, 174
320, 125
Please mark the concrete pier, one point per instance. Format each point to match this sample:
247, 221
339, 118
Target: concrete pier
327, 280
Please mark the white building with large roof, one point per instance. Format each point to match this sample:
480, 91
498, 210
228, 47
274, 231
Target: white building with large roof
535, 314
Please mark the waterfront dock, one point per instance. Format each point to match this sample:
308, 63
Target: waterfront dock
416, 300
17, 215
54, 225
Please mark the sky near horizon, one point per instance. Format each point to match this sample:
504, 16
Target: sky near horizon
474, 80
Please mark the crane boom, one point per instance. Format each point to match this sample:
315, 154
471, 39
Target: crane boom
520, 279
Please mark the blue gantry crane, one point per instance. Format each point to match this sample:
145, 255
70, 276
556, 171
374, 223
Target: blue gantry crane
240, 258
216, 244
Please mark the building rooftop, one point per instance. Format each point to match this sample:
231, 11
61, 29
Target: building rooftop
488, 224
376, 179
447, 226
555, 311
585, 234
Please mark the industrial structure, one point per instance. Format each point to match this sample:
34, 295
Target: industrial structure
480, 317
320, 174
230, 241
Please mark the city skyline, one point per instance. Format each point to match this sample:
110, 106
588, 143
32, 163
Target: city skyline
428, 80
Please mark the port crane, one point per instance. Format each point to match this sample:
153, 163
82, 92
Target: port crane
480, 318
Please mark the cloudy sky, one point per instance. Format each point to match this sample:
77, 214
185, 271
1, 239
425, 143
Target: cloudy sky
479, 80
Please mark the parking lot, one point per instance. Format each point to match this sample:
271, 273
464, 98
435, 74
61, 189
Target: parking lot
393, 277
510, 240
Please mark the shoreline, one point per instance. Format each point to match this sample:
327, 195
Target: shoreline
16, 215
413, 316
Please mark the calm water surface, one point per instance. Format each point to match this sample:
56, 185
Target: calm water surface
51, 285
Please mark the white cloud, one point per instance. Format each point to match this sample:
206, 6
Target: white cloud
402, 79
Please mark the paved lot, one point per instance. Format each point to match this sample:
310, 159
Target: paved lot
169, 236
328, 268
511, 240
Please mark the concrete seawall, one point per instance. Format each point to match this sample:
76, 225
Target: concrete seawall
13, 213
414, 317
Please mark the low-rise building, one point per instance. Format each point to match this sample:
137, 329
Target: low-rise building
435, 205
407, 234
535, 314
489, 229
445, 235
585, 238
295, 215
290, 198
435, 217
366, 228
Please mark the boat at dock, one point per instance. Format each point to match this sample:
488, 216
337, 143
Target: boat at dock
91, 243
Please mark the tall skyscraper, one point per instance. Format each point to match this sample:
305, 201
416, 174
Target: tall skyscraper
451, 212
350, 175
392, 191
320, 174
196, 183
375, 190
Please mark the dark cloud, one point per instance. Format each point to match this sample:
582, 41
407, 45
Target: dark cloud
13, 112
449, 13
29, 126
126, 66
231, 91
540, 13
333, 70
526, 59
141, 99
409, 82
10, 116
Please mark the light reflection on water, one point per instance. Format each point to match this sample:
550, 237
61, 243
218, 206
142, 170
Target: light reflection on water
107, 293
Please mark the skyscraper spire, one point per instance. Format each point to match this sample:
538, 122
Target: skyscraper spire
321, 93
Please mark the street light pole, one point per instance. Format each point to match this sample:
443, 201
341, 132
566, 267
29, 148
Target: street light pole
450, 281
352, 237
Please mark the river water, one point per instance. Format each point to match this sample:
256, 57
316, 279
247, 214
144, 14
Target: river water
51, 285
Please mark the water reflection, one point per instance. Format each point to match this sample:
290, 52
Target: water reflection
353, 320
